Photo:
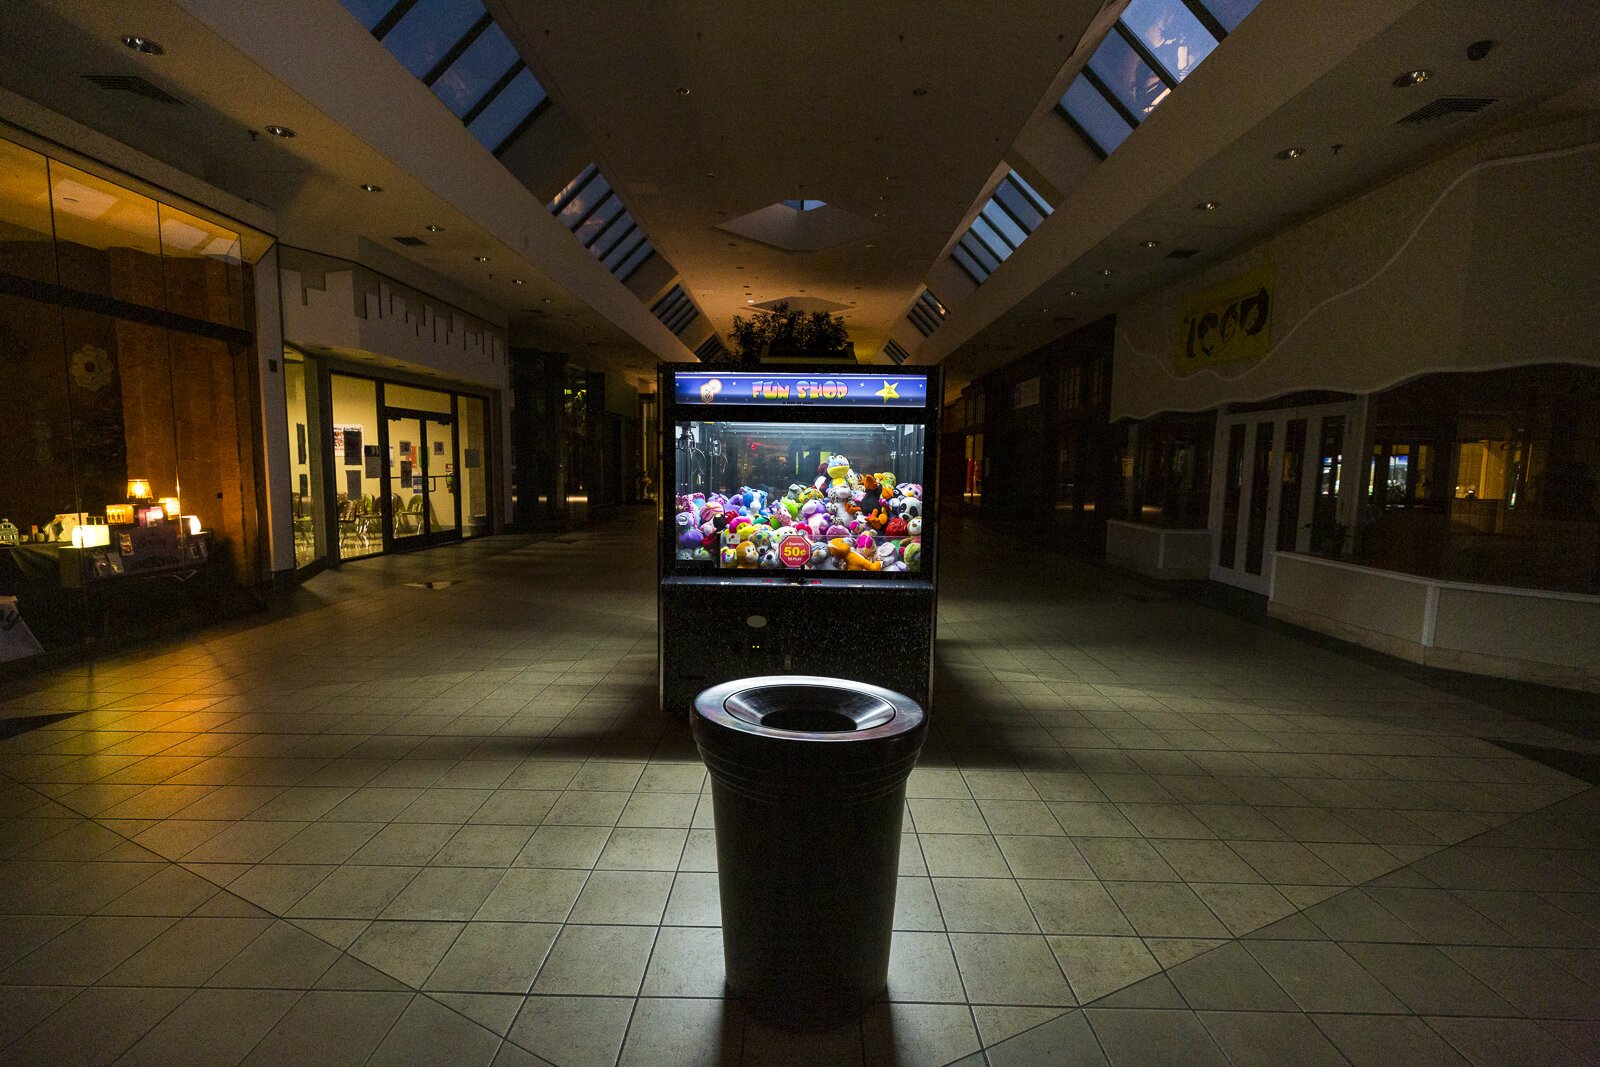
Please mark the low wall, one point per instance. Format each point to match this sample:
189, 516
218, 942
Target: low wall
1533, 635
1158, 552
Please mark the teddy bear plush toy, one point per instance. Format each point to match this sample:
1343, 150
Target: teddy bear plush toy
839, 471
843, 550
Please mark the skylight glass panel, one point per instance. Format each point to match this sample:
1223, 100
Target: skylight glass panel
1011, 214
999, 246
1101, 123
487, 60
1169, 31
429, 30
582, 200
616, 233
629, 238
976, 263
590, 228
1004, 225
1127, 77
369, 12
510, 108
805, 205
1229, 13
635, 260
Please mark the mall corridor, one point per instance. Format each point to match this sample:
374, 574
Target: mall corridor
431, 815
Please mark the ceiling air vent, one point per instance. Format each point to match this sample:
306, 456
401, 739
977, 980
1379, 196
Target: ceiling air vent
1183, 253
1448, 105
132, 83
411, 242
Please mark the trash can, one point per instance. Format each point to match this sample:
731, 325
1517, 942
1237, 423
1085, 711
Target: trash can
808, 782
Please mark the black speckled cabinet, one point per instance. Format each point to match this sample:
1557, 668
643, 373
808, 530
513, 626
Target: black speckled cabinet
797, 460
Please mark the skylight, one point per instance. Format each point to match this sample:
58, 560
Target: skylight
927, 314
597, 218
457, 49
711, 348
675, 310
1013, 212
1151, 48
896, 352
805, 205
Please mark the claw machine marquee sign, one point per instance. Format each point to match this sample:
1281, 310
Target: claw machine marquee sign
804, 390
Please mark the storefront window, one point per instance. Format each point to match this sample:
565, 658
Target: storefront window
114, 370
1488, 477
305, 461
357, 466
1171, 483
474, 477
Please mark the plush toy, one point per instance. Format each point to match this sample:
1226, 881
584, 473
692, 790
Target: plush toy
914, 526
822, 559
701, 553
911, 554
746, 556
888, 554
769, 559
691, 538
886, 482
897, 527
843, 550
834, 531
839, 471
728, 556
913, 508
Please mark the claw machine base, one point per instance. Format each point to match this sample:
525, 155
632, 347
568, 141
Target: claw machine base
715, 630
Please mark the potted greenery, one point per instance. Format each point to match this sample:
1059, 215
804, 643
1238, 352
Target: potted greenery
785, 333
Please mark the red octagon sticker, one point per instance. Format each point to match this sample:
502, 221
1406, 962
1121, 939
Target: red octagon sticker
794, 551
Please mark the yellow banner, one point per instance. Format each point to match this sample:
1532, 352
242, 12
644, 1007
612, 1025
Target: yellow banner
1227, 322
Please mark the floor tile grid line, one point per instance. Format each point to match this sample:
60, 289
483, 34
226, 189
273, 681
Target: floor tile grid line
342, 953
1233, 940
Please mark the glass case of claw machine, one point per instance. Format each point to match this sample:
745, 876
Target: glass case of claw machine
790, 489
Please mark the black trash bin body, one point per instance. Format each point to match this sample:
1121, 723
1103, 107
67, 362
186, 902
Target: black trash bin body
808, 779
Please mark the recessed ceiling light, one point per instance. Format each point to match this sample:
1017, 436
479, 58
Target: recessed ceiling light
480, 259
750, 301
548, 300
1206, 205
1072, 292
431, 228
877, 214
1148, 244
1411, 77
280, 131
142, 44
368, 187
1291, 153
710, 175
684, 90
919, 91
1105, 270
516, 281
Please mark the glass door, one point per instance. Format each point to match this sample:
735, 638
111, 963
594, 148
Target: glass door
438, 468
1272, 491
407, 493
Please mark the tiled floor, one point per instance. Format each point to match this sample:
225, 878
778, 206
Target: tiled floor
412, 826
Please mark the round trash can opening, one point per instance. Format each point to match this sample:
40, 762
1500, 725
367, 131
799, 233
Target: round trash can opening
808, 708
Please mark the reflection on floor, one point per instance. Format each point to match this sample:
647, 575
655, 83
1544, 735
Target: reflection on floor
444, 825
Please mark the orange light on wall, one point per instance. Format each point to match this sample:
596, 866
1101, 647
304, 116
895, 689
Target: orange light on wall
139, 489
169, 504
119, 513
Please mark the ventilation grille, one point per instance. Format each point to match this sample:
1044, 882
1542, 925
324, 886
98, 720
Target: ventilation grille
132, 83
1183, 253
895, 352
1448, 105
411, 242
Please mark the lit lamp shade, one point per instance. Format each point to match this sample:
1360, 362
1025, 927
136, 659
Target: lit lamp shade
139, 489
91, 536
119, 513
169, 504
192, 524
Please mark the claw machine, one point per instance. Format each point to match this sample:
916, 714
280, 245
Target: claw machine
800, 535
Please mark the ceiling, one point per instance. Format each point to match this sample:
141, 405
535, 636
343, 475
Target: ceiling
899, 115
